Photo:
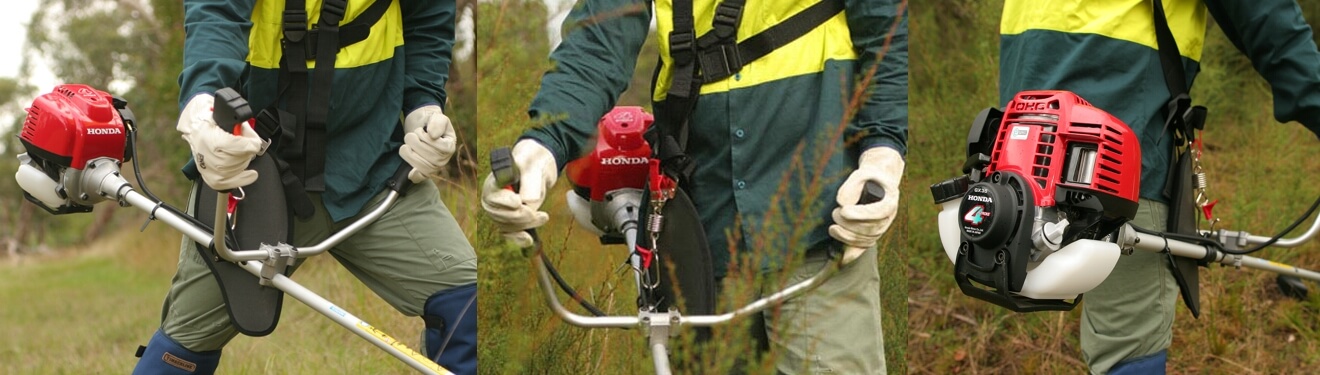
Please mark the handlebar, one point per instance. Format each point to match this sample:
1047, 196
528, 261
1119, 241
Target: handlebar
505, 173
231, 108
659, 325
673, 317
1242, 239
1131, 238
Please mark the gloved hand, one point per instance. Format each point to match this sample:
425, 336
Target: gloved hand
428, 142
221, 157
515, 212
860, 226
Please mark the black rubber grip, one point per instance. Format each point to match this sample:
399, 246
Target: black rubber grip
871, 193
501, 165
230, 108
506, 175
400, 182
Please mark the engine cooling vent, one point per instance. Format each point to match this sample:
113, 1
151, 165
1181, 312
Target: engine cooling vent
64, 91
1046, 125
30, 124
1111, 152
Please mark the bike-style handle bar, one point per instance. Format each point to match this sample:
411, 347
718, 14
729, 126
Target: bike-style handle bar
231, 108
660, 325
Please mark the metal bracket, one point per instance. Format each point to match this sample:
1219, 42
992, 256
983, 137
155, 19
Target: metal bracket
1233, 239
281, 256
661, 327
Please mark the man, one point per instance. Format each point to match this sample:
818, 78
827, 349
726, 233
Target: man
1106, 52
742, 134
392, 61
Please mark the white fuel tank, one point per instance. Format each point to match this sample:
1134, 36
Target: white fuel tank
37, 183
1075, 269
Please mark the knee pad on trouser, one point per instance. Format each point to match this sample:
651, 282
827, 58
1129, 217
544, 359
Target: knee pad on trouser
451, 329
1151, 364
164, 356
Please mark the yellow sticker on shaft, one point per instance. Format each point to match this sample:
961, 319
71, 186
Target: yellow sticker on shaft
402, 348
1277, 264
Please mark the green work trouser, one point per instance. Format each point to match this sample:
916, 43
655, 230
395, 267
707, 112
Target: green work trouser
833, 329
1130, 314
411, 252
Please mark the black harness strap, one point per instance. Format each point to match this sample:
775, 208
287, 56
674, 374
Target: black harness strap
1182, 116
318, 97
718, 55
1185, 120
268, 126
672, 113
682, 48
714, 56
350, 33
302, 145
293, 78
309, 102
723, 56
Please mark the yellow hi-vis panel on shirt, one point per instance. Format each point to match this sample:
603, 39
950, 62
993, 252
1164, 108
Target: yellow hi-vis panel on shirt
1130, 20
806, 55
267, 32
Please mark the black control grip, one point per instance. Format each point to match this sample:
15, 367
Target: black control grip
871, 192
230, 108
400, 182
501, 165
506, 175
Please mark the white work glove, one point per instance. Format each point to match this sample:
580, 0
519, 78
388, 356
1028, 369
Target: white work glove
860, 226
428, 142
516, 212
221, 157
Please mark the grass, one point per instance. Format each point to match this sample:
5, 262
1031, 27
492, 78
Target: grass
1261, 172
85, 309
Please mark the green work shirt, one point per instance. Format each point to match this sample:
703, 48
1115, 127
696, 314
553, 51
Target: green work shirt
401, 66
768, 158
1105, 52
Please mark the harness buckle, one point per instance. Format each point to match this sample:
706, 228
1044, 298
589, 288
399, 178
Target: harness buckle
295, 25
309, 48
332, 12
681, 46
1176, 110
726, 20
719, 61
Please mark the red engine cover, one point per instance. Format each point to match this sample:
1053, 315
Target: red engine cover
1056, 138
73, 124
620, 158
